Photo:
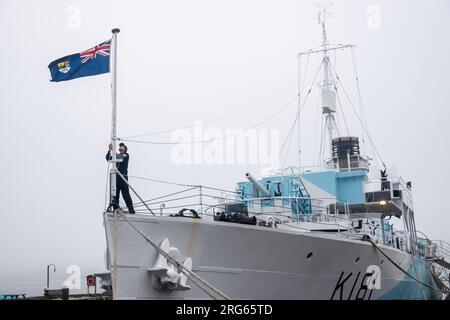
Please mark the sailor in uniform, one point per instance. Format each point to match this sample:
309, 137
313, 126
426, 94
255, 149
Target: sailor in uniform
122, 186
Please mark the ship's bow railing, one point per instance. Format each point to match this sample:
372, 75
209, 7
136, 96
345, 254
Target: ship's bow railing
195, 198
442, 249
352, 162
208, 202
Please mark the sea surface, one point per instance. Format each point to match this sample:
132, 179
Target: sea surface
33, 284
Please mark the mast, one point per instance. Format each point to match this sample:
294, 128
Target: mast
339, 147
113, 68
328, 94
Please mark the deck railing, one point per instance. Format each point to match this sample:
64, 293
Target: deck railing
326, 212
442, 249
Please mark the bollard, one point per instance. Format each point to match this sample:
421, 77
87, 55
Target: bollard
65, 293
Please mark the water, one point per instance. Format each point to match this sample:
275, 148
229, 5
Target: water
33, 284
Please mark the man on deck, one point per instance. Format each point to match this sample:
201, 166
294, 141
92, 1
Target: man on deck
121, 185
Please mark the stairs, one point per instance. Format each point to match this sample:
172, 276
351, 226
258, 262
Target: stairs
303, 204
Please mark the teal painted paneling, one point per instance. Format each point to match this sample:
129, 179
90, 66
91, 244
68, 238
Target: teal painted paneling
345, 186
409, 289
325, 180
350, 186
289, 186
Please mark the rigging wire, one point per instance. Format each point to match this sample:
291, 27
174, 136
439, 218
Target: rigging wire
288, 138
400, 268
216, 119
358, 116
289, 143
215, 139
318, 117
141, 204
325, 132
163, 181
322, 141
337, 127
302, 81
190, 188
299, 93
151, 201
358, 88
342, 111
297, 116
181, 184
168, 195
339, 100
361, 102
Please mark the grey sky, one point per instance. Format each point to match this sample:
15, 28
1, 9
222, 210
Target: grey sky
184, 61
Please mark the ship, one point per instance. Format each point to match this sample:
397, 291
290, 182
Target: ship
323, 232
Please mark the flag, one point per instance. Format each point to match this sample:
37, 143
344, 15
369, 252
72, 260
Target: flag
87, 63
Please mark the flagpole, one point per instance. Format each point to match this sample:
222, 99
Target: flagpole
113, 68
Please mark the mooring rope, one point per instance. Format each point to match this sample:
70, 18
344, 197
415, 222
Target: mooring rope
199, 281
401, 269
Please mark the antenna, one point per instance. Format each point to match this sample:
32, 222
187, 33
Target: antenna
322, 14
328, 94
327, 85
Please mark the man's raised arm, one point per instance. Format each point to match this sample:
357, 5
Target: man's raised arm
108, 155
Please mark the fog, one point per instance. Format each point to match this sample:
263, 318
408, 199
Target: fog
185, 61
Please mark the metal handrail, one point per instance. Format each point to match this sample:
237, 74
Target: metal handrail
442, 249
412, 246
320, 214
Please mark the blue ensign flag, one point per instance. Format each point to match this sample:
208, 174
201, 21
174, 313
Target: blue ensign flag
87, 63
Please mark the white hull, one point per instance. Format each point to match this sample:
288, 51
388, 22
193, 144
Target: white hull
254, 262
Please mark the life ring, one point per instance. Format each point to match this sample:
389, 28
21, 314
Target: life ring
90, 279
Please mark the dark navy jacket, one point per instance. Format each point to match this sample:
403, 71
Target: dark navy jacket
121, 166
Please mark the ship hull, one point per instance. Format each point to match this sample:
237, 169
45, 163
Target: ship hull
253, 262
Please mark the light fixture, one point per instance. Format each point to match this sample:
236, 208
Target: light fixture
383, 203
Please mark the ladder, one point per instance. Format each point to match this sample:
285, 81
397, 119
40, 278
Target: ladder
303, 203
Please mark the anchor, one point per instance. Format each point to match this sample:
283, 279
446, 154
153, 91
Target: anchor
165, 275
